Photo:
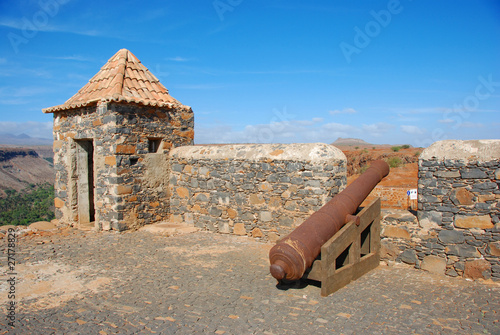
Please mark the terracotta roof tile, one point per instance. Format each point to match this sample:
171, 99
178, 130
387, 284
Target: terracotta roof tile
122, 78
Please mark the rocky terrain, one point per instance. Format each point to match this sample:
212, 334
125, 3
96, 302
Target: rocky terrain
404, 170
20, 167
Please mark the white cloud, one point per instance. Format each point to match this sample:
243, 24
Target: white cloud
47, 27
78, 58
20, 95
289, 131
177, 59
31, 128
340, 128
377, 129
471, 125
447, 121
412, 130
343, 111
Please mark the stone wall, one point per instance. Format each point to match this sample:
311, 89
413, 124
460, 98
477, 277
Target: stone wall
458, 230
264, 191
130, 178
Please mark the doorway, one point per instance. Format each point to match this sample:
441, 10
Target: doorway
85, 185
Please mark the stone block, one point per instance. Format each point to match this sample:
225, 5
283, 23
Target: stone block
486, 197
462, 250
477, 269
447, 174
182, 192
396, 232
451, 237
231, 213
462, 196
473, 174
428, 198
125, 149
58, 203
57, 144
256, 199
429, 219
224, 227
124, 189
202, 197
388, 250
239, 229
488, 186
434, 264
497, 174
273, 237
477, 221
494, 248
257, 233
408, 256
451, 272
266, 216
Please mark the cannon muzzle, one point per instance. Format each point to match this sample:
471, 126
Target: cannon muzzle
295, 253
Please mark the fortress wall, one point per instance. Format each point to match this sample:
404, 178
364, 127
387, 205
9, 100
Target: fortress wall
263, 191
458, 228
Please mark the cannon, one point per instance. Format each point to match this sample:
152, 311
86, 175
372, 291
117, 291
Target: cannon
295, 253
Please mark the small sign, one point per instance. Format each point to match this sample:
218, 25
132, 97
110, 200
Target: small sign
413, 194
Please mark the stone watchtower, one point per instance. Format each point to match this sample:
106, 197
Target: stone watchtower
111, 144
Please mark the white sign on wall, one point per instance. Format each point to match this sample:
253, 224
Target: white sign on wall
412, 194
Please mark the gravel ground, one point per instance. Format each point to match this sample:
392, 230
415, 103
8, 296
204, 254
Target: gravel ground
76, 282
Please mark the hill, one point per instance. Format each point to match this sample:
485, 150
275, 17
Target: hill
20, 167
23, 140
350, 142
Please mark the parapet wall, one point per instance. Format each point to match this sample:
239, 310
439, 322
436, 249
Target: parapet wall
260, 190
458, 210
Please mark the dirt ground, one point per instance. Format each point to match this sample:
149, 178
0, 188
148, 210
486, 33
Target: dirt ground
84, 282
393, 188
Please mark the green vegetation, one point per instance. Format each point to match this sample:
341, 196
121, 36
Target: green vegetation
394, 162
417, 153
399, 147
356, 148
31, 205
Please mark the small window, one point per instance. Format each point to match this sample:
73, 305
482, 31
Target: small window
154, 144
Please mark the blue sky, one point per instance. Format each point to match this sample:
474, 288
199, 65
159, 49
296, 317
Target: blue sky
392, 72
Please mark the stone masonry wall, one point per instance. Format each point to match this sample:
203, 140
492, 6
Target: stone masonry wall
131, 184
458, 230
264, 191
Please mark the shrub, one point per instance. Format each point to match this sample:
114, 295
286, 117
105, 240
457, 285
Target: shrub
394, 162
406, 146
395, 149
31, 205
356, 148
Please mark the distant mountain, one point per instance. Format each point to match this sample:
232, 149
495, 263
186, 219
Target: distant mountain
23, 139
350, 141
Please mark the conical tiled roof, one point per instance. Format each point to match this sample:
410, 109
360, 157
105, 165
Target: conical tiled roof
122, 78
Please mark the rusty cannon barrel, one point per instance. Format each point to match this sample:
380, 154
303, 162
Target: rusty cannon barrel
296, 252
